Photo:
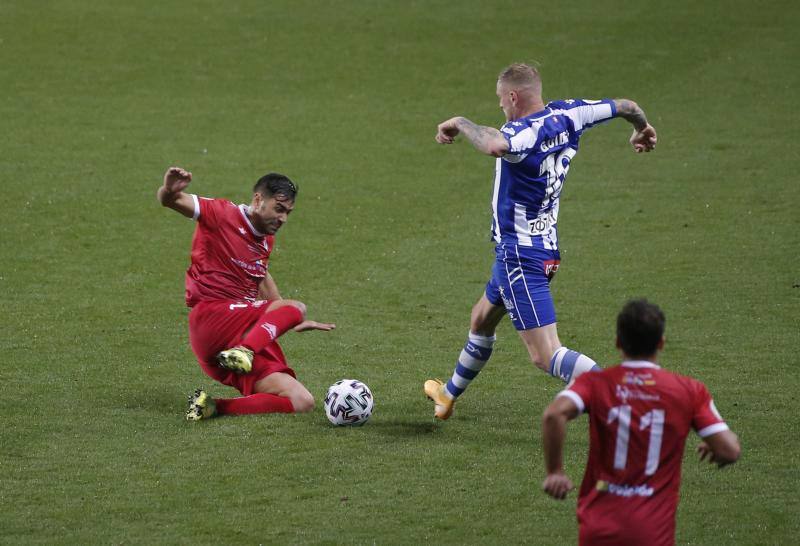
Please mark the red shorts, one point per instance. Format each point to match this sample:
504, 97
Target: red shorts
218, 325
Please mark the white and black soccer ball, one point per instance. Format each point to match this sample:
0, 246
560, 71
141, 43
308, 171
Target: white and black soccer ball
348, 403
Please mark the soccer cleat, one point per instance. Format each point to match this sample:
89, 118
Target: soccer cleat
201, 406
238, 359
434, 389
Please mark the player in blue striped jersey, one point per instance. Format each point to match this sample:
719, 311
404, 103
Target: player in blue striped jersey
533, 150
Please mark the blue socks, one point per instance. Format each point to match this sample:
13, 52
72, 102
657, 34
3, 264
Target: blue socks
567, 364
473, 358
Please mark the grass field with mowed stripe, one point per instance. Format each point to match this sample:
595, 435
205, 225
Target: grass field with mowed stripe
389, 240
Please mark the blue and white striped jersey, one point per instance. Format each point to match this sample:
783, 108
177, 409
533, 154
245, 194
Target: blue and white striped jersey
529, 178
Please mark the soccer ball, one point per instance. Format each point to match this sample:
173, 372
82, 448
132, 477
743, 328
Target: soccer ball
348, 402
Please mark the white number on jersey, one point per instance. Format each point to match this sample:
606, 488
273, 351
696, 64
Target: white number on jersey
654, 419
555, 166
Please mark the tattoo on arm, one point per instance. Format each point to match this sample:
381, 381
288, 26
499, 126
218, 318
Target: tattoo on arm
630, 111
483, 138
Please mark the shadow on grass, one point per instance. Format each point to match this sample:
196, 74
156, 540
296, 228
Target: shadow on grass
405, 428
165, 399
394, 427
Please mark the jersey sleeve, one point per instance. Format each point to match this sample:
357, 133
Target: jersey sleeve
706, 420
585, 113
206, 210
580, 392
521, 139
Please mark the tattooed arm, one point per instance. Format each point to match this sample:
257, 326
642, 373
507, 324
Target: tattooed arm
644, 135
487, 140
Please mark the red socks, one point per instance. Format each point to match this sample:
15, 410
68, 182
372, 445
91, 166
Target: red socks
255, 403
271, 326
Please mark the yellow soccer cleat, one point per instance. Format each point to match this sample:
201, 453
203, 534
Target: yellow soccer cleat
434, 389
201, 406
238, 359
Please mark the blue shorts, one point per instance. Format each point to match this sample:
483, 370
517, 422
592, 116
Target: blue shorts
521, 283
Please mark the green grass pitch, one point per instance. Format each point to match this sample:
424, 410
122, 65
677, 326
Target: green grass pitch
389, 240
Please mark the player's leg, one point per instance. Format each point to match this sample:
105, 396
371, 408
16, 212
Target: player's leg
541, 343
202, 406
526, 289
269, 388
258, 402
550, 356
279, 317
478, 347
285, 386
473, 357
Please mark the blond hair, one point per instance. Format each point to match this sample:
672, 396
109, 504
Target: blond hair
521, 76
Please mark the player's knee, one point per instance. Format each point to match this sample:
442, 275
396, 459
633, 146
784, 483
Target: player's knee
479, 324
298, 305
479, 328
542, 356
303, 402
541, 363
485, 317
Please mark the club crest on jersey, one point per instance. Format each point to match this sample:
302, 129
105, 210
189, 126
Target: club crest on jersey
640, 380
242, 230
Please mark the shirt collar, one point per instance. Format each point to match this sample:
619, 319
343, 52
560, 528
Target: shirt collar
640, 364
243, 209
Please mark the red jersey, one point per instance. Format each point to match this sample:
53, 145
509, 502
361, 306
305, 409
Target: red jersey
639, 418
229, 256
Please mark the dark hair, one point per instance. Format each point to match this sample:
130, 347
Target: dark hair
640, 327
276, 184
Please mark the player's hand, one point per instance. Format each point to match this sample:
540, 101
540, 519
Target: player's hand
307, 325
644, 140
705, 452
176, 179
447, 131
557, 486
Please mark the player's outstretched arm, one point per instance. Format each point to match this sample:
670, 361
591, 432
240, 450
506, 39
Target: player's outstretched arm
171, 195
487, 140
554, 430
644, 136
721, 448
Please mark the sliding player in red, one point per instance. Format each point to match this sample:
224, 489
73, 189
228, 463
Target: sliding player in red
639, 418
237, 312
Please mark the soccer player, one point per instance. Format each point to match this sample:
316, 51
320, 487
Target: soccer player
237, 312
534, 150
639, 418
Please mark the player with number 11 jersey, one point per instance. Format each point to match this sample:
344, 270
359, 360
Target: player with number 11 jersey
639, 418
